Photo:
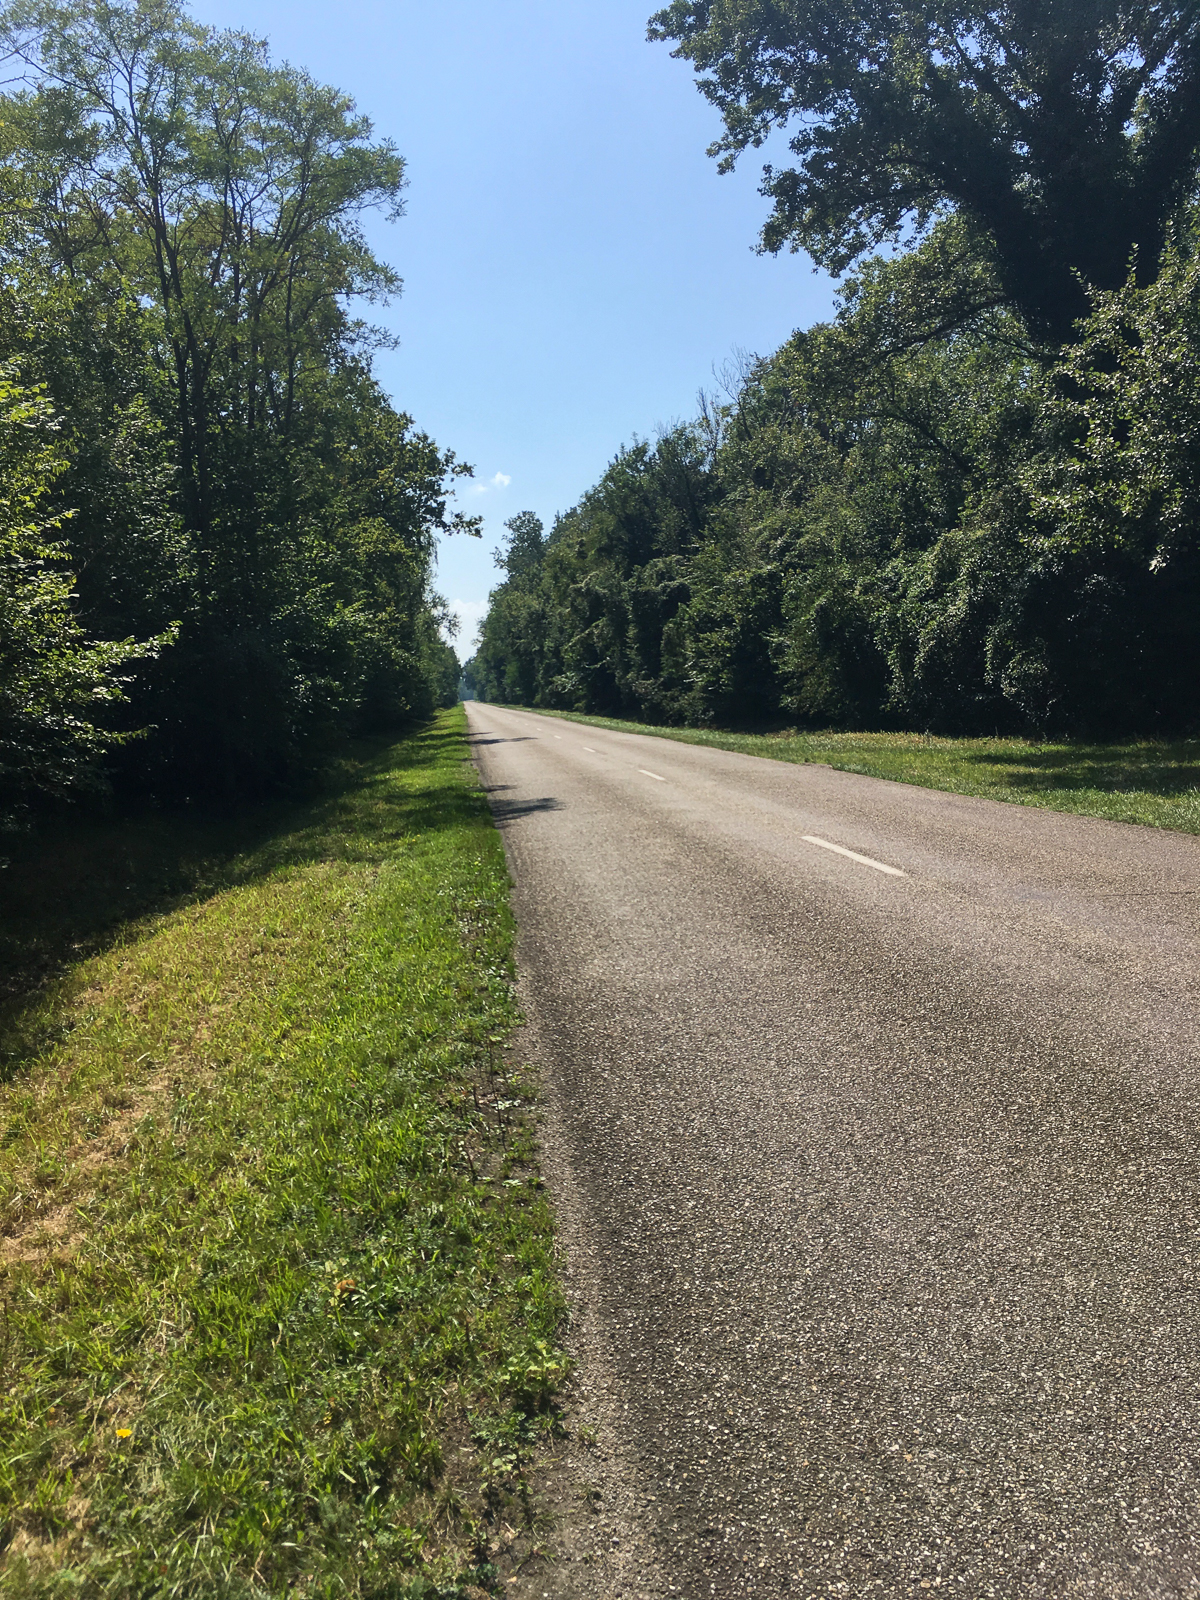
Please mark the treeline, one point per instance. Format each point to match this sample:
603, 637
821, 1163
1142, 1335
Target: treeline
887, 525
216, 533
969, 503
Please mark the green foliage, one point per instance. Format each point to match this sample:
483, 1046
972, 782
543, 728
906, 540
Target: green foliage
906, 518
1128, 397
1064, 134
581, 622
54, 681
181, 262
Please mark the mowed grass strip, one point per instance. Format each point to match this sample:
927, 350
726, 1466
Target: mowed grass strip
1147, 781
279, 1312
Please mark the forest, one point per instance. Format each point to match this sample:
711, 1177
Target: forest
216, 529
968, 503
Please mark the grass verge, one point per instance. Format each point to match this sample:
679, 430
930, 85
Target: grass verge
278, 1310
1153, 782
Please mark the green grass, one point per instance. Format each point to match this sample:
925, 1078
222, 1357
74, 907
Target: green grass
278, 1310
1157, 783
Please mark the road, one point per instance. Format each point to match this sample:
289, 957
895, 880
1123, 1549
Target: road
878, 1188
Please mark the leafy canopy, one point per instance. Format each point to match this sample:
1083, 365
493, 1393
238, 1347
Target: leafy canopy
1065, 131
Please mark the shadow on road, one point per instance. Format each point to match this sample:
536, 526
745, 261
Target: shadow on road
505, 811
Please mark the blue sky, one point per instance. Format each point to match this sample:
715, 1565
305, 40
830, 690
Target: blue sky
575, 267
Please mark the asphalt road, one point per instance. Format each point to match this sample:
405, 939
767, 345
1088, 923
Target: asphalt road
879, 1190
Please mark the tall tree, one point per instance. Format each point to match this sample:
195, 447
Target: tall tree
526, 545
183, 276
228, 192
1065, 131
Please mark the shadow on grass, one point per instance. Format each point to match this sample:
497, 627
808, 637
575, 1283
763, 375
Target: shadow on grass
77, 885
1164, 770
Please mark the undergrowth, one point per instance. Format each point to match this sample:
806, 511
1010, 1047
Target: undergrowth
278, 1306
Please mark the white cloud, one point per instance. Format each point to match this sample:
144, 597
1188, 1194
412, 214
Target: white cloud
470, 614
500, 480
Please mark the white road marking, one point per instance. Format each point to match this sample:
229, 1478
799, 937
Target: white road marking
594, 752
558, 735
653, 775
853, 855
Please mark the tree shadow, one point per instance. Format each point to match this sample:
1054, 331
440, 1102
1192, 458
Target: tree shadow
72, 887
1166, 770
507, 811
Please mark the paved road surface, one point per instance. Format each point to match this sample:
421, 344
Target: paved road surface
879, 1189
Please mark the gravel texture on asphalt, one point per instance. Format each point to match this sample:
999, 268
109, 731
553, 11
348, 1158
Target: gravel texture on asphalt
878, 1194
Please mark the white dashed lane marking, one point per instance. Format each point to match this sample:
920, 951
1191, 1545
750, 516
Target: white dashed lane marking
853, 855
653, 775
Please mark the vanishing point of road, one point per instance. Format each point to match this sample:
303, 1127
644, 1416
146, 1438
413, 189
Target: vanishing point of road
871, 1121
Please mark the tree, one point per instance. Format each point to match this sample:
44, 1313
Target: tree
55, 683
1064, 132
180, 267
1128, 405
227, 192
523, 554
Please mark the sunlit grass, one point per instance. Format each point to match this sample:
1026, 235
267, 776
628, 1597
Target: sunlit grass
1157, 783
278, 1307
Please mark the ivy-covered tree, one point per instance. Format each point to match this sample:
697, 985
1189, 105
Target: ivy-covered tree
902, 518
